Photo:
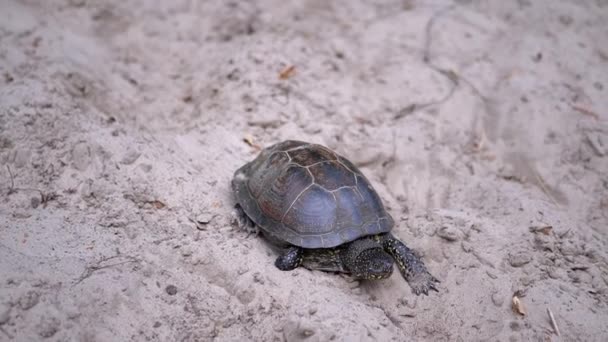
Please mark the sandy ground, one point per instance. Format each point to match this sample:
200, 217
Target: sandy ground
482, 125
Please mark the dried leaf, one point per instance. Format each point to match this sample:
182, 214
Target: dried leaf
158, 204
251, 141
287, 72
541, 229
518, 306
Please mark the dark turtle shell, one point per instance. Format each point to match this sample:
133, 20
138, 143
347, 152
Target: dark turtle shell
308, 196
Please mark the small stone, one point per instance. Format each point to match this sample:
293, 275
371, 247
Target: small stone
519, 259
312, 310
526, 281
257, 277
29, 300
514, 325
5, 313
81, 156
35, 202
204, 218
566, 20
130, 157
145, 167
497, 299
22, 158
450, 234
21, 214
156, 324
171, 290
246, 296
48, 327
86, 188
297, 330
308, 332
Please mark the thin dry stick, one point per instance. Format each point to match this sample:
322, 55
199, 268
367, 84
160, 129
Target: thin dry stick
544, 188
585, 111
553, 323
89, 270
12, 188
426, 58
426, 54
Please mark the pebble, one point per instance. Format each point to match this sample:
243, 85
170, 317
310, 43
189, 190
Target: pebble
450, 234
519, 259
81, 156
514, 325
5, 313
497, 299
257, 277
22, 158
35, 202
298, 330
130, 157
145, 167
48, 327
246, 296
29, 300
204, 218
171, 290
598, 86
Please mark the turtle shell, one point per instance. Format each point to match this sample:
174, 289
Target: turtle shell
309, 196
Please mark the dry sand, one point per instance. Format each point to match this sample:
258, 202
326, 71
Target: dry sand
482, 124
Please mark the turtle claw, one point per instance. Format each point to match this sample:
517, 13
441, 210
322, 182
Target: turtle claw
244, 222
423, 283
252, 230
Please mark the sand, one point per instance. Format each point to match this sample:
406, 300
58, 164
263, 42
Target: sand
482, 125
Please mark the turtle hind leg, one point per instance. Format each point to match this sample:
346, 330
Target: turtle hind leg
410, 265
290, 259
244, 222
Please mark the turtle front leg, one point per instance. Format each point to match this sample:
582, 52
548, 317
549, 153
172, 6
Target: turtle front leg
290, 259
412, 268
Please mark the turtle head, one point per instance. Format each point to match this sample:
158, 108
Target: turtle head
366, 259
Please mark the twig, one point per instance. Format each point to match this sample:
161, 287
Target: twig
89, 270
451, 75
44, 197
418, 106
585, 111
553, 323
544, 188
426, 55
426, 58
12, 187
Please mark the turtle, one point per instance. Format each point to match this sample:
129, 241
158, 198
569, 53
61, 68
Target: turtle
322, 213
